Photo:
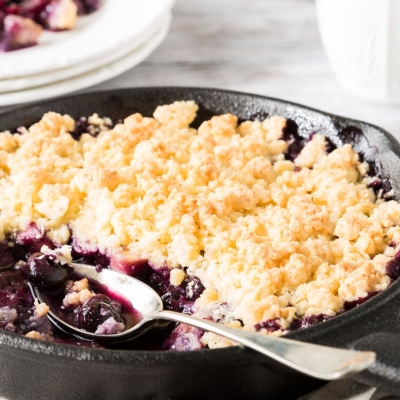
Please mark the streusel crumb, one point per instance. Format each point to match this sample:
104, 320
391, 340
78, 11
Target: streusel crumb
78, 286
270, 239
177, 276
41, 309
75, 299
35, 335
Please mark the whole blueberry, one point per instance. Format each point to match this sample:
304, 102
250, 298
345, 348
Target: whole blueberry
95, 311
45, 273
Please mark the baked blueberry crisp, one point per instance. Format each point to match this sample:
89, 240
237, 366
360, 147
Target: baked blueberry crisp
22, 21
246, 224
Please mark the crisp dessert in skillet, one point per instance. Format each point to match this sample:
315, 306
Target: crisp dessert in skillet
22, 21
246, 224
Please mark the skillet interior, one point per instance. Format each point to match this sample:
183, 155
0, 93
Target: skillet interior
57, 371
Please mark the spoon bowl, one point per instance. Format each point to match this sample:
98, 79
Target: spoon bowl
321, 362
140, 296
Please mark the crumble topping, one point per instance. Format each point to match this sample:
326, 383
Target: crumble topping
41, 309
35, 335
61, 255
177, 276
62, 15
77, 293
270, 239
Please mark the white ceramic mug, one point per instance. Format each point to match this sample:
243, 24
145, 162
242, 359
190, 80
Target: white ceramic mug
362, 42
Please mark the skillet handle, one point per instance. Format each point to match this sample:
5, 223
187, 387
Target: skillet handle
378, 329
385, 372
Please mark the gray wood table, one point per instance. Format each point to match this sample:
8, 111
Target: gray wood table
268, 47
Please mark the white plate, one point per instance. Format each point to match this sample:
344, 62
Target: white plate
117, 24
27, 82
92, 77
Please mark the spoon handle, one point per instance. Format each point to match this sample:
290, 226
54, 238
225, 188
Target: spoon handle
318, 361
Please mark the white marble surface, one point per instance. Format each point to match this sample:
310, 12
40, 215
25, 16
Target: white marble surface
268, 47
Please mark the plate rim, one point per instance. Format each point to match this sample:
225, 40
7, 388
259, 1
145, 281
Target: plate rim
92, 77
60, 54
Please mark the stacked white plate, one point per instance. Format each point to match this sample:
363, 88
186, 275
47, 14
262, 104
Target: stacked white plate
103, 45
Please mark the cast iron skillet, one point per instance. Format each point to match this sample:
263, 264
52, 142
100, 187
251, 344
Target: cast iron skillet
30, 369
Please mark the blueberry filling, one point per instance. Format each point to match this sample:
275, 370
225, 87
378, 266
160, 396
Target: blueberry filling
354, 136
296, 142
34, 239
308, 321
91, 257
393, 267
87, 6
7, 259
348, 305
271, 325
184, 338
21, 21
177, 298
17, 310
100, 313
17, 32
82, 125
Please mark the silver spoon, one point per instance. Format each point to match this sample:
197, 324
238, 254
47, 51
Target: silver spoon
318, 361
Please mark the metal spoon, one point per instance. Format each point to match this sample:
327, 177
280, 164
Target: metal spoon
318, 361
